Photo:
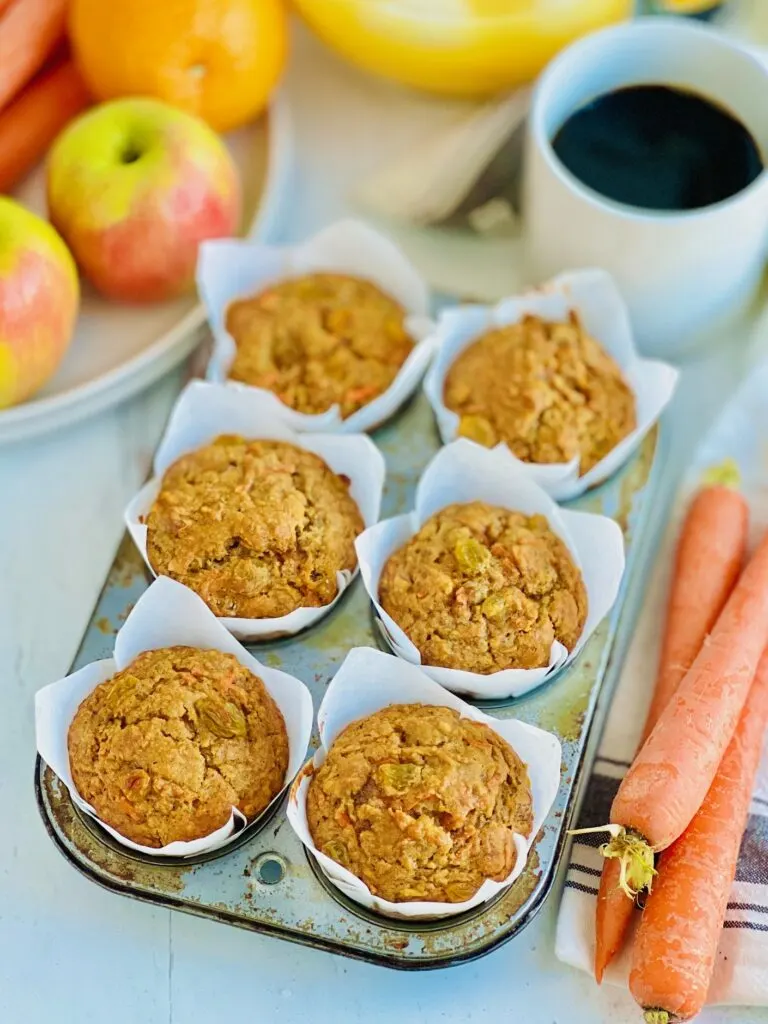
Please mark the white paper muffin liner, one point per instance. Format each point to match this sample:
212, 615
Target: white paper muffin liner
167, 615
369, 680
603, 314
203, 412
462, 472
233, 269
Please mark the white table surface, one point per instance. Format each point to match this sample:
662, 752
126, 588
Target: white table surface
71, 953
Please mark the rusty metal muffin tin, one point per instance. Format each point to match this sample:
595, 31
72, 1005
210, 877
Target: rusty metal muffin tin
265, 881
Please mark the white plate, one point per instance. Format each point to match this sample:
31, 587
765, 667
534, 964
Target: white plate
120, 349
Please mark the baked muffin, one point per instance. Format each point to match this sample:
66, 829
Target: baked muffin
256, 528
548, 390
420, 803
164, 749
318, 341
482, 588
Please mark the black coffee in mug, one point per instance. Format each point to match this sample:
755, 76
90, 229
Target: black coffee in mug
659, 148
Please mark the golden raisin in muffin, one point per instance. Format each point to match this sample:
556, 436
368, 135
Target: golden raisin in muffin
420, 803
483, 589
164, 749
256, 528
548, 390
318, 341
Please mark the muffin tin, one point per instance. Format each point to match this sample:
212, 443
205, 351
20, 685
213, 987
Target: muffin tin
264, 880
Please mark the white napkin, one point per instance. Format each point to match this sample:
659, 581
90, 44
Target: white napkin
465, 175
741, 972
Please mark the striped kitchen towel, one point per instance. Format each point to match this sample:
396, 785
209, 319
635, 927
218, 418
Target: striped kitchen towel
741, 974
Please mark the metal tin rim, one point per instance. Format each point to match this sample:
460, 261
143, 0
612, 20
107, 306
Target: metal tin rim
531, 909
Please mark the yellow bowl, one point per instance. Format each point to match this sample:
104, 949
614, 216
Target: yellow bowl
457, 47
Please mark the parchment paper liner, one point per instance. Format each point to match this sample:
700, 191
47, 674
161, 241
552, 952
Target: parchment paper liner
369, 680
167, 615
464, 471
203, 412
596, 298
234, 269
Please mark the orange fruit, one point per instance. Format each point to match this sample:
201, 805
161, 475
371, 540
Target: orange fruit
218, 59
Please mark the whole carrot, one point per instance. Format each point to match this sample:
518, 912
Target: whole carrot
32, 121
708, 558
29, 31
676, 943
670, 776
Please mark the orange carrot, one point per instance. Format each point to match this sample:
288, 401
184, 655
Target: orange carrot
33, 120
677, 763
613, 916
676, 943
708, 558
29, 31
670, 776
61, 51
360, 394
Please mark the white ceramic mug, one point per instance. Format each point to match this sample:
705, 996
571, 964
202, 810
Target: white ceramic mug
685, 275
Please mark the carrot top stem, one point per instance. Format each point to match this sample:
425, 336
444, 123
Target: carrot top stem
725, 473
614, 830
635, 857
658, 1017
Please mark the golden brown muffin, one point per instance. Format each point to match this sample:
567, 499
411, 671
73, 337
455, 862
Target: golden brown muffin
548, 390
420, 803
256, 528
164, 749
483, 589
318, 341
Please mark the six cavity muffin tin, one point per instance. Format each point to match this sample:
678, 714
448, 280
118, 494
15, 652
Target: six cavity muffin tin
265, 880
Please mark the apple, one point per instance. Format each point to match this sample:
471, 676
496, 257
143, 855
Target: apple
39, 296
134, 186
